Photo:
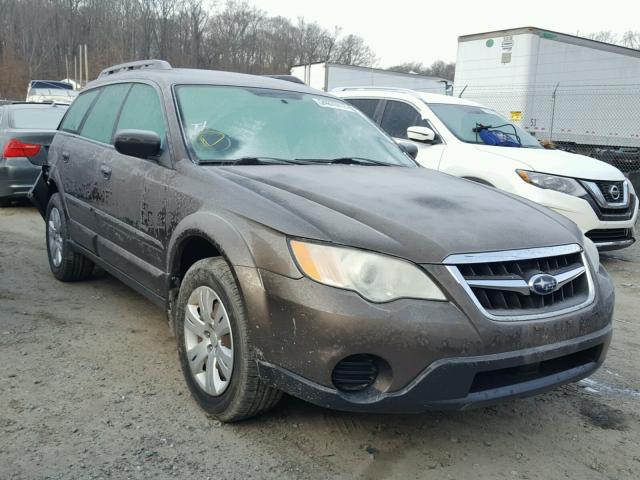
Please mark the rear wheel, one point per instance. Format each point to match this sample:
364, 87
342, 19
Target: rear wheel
214, 346
66, 264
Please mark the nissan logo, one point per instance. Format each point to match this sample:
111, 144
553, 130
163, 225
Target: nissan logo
614, 191
543, 284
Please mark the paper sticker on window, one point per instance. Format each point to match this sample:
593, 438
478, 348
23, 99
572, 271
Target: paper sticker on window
330, 103
516, 116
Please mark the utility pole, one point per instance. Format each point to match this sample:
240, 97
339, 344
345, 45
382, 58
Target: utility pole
75, 72
86, 65
80, 62
66, 66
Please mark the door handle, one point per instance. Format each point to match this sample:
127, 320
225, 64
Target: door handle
65, 157
106, 171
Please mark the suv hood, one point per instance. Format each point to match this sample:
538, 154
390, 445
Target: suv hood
413, 213
557, 162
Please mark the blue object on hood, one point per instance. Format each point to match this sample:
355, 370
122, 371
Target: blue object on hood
497, 138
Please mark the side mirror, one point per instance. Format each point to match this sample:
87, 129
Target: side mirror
408, 148
137, 143
421, 134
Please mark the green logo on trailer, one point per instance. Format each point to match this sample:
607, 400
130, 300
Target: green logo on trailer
489, 43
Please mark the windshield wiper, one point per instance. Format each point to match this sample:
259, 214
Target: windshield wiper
252, 161
345, 161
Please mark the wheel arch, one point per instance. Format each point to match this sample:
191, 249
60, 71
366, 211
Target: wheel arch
479, 180
203, 235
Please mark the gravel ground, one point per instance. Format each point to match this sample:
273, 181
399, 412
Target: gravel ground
90, 387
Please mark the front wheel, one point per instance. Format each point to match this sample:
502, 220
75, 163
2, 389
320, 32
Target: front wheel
214, 346
66, 264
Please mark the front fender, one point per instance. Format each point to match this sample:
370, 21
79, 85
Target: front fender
215, 229
242, 242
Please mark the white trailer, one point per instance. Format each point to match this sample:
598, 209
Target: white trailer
561, 87
327, 76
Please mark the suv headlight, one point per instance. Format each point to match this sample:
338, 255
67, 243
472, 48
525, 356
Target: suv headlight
566, 185
376, 277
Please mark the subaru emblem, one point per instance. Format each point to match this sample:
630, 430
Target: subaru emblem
543, 284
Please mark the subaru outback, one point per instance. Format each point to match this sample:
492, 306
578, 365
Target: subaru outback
297, 248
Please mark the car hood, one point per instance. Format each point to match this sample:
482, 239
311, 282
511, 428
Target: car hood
557, 162
413, 213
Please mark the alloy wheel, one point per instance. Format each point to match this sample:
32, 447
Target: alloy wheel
54, 236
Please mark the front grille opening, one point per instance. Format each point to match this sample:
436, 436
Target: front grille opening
355, 373
493, 379
609, 235
605, 189
503, 302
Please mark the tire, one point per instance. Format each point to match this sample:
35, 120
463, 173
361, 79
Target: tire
220, 369
5, 202
66, 264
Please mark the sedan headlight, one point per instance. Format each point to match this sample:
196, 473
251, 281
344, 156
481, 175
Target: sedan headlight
566, 185
376, 277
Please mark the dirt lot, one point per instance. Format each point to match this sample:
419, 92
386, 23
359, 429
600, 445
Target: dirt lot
90, 387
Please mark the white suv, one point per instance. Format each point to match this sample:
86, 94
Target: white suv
468, 140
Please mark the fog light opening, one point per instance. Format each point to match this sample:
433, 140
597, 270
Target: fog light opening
357, 373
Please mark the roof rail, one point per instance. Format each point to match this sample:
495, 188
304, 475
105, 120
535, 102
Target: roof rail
288, 78
392, 89
139, 65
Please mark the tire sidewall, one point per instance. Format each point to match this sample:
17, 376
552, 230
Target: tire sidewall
200, 274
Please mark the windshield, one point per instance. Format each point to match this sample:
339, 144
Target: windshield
37, 118
225, 124
50, 84
482, 125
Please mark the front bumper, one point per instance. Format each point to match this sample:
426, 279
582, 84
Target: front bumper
17, 176
462, 382
440, 354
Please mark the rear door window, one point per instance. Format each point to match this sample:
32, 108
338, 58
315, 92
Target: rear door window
367, 106
102, 117
397, 117
142, 111
73, 119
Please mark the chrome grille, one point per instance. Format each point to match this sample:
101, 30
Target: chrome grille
606, 187
502, 283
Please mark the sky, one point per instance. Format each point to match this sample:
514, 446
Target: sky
403, 30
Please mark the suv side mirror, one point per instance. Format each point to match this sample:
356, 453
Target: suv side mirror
137, 143
421, 134
408, 148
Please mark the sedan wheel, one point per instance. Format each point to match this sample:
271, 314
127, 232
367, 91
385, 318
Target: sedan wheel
208, 341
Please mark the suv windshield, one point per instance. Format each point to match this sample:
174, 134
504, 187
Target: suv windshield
37, 118
467, 123
226, 124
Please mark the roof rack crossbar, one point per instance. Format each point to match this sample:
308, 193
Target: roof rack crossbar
139, 65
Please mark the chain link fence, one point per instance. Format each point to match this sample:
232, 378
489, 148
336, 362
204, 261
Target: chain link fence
601, 121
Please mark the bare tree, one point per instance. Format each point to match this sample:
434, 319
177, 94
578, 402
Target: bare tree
37, 35
439, 68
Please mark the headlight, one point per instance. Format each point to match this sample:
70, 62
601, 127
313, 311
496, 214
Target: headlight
592, 252
378, 278
553, 182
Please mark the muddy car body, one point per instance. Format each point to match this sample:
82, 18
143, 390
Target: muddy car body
356, 283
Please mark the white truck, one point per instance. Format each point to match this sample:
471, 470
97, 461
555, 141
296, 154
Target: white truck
577, 92
327, 76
